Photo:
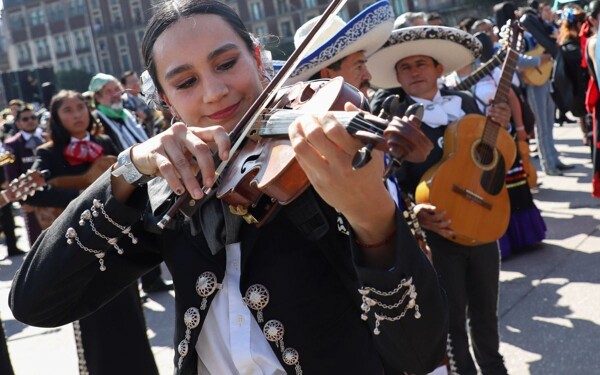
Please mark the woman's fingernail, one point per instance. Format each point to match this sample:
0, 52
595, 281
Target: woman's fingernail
198, 193
179, 191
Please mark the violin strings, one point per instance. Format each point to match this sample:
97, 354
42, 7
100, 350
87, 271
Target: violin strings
357, 122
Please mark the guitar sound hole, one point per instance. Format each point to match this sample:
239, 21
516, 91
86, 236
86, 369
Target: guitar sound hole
484, 154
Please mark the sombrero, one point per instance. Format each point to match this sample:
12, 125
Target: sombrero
365, 32
451, 47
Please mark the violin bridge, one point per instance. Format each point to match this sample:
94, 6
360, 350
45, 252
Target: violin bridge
243, 212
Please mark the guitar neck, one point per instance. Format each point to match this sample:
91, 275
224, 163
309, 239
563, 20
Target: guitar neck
490, 132
481, 72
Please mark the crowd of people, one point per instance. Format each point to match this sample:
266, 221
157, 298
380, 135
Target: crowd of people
334, 258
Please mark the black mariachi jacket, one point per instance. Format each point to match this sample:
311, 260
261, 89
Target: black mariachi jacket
313, 285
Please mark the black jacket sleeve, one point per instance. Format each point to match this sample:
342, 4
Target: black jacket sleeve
61, 282
415, 342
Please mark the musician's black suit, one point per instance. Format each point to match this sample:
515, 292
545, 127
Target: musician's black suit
469, 274
313, 284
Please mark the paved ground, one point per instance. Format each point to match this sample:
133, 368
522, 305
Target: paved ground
549, 299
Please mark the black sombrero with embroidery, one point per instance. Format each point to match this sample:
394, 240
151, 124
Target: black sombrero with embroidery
451, 47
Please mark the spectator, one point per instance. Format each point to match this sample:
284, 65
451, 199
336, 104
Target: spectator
22, 145
133, 101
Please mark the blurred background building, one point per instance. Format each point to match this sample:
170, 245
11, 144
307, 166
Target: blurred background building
65, 42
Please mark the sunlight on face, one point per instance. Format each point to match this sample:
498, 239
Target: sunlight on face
207, 73
354, 71
74, 116
418, 76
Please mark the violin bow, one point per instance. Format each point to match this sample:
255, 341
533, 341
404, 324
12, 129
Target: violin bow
243, 127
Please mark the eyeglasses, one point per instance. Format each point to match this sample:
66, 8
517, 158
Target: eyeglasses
30, 118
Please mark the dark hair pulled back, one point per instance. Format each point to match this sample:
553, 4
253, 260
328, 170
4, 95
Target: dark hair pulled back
169, 12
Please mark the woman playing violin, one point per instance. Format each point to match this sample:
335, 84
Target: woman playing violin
332, 283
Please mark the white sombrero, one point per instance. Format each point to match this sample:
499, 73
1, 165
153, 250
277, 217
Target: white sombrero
365, 32
451, 47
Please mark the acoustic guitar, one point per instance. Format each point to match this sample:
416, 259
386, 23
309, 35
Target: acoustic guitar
47, 215
537, 75
488, 67
469, 181
23, 187
482, 71
82, 181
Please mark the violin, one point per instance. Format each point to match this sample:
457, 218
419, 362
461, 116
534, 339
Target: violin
266, 164
258, 141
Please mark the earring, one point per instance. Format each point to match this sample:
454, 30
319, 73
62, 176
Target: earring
266, 78
174, 115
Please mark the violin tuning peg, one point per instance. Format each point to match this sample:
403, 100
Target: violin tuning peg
362, 156
389, 106
417, 110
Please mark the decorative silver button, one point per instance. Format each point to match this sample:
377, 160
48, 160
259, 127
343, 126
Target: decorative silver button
192, 318
273, 330
182, 348
71, 233
206, 284
85, 215
257, 297
290, 356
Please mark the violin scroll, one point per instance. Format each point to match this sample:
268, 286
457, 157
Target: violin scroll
405, 140
388, 108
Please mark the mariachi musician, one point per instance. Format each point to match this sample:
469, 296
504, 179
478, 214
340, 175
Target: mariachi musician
415, 58
332, 283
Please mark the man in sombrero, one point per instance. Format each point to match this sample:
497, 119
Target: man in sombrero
342, 48
414, 58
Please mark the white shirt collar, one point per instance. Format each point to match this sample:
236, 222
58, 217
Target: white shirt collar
37, 133
442, 110
86, 138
